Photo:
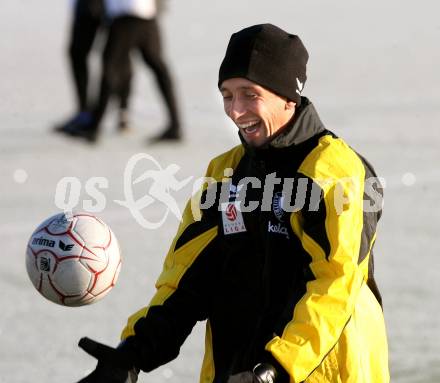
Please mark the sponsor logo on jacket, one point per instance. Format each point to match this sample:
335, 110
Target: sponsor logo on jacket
232, 218
234, 190
277, 229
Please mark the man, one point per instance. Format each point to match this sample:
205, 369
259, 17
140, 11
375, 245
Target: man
279, 257
133, 27
88, 20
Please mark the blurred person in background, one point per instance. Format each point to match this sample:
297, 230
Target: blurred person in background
133, 27
88, 21
276, 251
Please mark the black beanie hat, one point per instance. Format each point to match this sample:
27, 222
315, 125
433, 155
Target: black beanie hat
268, 56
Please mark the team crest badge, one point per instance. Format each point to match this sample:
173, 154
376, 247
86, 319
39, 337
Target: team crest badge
277, 206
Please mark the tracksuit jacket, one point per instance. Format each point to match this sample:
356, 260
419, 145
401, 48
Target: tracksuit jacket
289, 281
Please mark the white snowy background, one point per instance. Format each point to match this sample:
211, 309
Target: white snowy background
374, 77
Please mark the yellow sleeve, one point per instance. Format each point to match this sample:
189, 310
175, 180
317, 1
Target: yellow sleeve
322, 313
198, 235
176, 264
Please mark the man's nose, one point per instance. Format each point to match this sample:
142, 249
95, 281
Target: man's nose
236, 109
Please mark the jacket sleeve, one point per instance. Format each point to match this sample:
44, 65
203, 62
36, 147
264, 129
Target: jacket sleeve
182, 295
333, 236
188, 276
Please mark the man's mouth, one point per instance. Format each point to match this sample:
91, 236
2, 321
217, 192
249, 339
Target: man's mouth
249, 127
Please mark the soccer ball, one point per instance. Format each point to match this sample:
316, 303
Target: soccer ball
73, 259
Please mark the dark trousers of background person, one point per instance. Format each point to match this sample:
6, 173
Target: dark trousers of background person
88, 20
128, 33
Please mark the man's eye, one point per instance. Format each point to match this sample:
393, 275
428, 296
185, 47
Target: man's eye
227, 97
251, 95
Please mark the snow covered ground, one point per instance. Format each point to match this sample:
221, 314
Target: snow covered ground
374, 78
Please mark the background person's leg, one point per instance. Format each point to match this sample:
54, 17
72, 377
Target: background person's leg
149, 43
87, 20
117, 70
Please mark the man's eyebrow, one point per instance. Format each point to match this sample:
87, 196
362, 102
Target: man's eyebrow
223, 89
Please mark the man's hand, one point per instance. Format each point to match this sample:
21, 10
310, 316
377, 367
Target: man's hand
114, 366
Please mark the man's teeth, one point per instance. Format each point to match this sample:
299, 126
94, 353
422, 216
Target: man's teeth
248, 125
251, 130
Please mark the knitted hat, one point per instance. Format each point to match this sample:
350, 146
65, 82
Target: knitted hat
268, 56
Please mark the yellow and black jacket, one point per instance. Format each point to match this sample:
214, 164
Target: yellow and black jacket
289, 283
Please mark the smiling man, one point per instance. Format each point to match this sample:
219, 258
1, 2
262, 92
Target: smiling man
288, 294
261, 80
257, 112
